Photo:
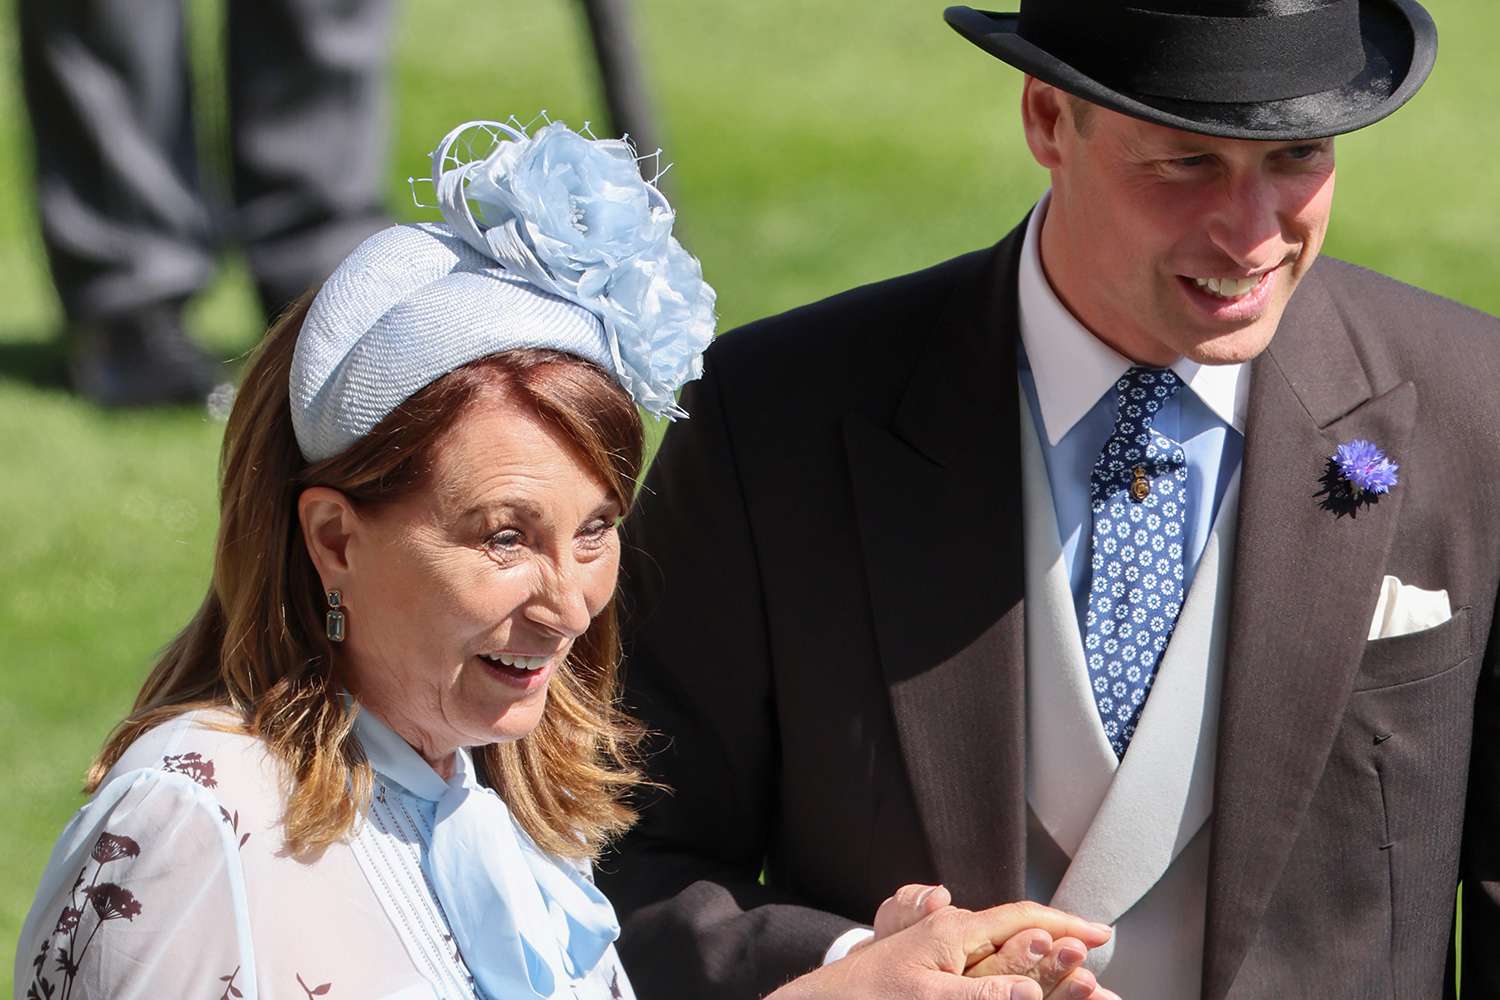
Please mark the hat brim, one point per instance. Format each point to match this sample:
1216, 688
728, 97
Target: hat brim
1400, 43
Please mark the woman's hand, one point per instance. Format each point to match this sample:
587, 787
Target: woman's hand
1055, 965
926, 961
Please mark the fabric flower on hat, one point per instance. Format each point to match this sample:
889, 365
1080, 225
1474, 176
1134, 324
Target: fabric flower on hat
661, 313
581, 203
573, 215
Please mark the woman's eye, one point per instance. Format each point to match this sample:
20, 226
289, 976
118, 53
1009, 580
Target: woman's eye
504, 539
595, 533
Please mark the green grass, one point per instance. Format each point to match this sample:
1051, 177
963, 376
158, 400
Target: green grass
817, 146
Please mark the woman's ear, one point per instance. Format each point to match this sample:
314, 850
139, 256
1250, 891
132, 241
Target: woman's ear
328, 522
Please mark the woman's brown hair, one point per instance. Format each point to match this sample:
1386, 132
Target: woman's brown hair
257, 645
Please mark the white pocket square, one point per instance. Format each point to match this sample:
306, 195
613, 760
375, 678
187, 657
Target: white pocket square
1403, 609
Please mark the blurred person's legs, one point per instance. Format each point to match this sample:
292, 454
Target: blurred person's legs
125, 226
128, 232
308, 121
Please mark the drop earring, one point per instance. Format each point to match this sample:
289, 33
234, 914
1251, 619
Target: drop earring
336, 623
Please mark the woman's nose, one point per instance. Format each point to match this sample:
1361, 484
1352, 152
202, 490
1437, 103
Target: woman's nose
560, 604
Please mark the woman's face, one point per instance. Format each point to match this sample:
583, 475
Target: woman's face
465, 598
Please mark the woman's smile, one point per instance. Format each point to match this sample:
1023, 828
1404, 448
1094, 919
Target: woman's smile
523, 673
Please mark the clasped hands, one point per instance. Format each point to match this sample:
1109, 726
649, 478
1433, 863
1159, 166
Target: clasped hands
926, 948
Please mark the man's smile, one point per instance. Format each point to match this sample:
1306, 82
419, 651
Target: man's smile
1232, 298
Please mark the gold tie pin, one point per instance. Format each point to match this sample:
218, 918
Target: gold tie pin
1140, 487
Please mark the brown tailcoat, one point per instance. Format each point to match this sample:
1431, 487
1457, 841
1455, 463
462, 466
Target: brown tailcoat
825, 594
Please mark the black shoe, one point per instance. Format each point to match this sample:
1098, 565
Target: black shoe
144, 359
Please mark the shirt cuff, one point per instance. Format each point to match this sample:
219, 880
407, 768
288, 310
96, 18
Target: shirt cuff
845, 942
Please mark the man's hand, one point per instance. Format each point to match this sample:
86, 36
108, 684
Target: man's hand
1032, 952
907, 905
927, 960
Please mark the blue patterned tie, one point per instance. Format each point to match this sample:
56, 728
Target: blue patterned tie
1138, 493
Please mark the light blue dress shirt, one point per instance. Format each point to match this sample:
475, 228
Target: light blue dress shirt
1058, 360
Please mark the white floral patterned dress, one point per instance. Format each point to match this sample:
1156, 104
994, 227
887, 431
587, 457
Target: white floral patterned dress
172, 881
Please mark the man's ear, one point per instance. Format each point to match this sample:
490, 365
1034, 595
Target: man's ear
1043, 117
328, 522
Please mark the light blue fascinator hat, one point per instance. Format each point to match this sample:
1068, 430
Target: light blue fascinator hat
550, 239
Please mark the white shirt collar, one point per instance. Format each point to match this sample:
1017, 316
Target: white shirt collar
1072, 368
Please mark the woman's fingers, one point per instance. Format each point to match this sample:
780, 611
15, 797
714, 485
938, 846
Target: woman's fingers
1065, 980
907, 905
1081, 985
1019, 956
1061, 963
1058, 970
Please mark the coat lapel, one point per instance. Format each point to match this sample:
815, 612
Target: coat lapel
1304, 592
1069, 762
1163, 790
938, 503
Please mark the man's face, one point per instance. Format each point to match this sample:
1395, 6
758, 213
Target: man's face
1167, 243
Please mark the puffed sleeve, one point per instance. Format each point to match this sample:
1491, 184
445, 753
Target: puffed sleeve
144, 896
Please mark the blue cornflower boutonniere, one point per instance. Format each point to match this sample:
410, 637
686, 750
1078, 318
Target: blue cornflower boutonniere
1358, 475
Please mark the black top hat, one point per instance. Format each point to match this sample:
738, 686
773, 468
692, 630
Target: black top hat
1246, 69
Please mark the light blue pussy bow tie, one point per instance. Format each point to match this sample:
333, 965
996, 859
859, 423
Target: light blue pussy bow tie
526, 924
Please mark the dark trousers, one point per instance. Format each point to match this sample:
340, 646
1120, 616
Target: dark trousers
124, 217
